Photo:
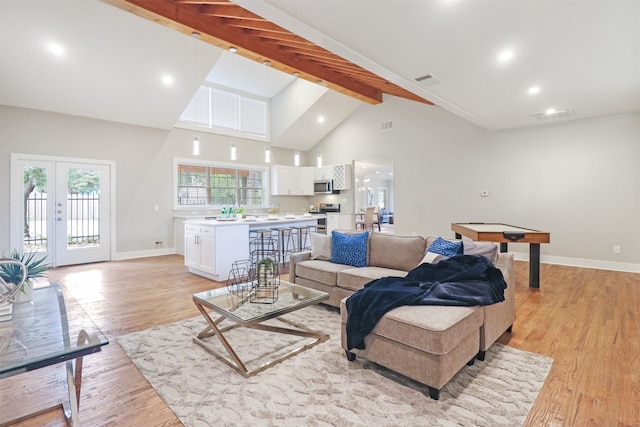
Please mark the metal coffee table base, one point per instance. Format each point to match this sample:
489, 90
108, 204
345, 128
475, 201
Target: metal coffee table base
237, 364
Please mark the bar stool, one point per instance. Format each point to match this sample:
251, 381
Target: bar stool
262, 243
303, 236
287, 242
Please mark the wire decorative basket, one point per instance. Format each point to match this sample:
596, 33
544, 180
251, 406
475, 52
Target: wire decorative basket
241, 278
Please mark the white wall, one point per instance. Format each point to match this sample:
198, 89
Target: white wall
144, 167
577, 180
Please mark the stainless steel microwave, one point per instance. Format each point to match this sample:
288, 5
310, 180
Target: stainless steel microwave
324, 186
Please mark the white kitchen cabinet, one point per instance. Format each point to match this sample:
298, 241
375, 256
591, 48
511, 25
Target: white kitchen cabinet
339, 221
341, 177
333, 222
306, 181
291, 180
199, 248
210, 250
325, 172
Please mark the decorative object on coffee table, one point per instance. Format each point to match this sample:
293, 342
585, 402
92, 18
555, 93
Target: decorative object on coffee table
267, 281
9, 290
13, 276
240, 280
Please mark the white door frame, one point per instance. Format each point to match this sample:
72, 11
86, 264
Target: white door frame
16, 209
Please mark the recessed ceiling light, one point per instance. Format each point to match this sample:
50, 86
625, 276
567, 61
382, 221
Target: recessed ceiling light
56, 49
505, 56
534, 89
550, 111
167, 79
233, 49
321, 119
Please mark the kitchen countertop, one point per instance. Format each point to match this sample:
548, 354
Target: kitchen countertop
260, 220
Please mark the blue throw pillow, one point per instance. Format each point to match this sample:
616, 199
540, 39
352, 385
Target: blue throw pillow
446, 248
349, 249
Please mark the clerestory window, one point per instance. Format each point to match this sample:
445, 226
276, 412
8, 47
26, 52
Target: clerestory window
226, 112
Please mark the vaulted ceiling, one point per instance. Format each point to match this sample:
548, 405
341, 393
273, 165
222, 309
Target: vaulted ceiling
228, 25
581, 56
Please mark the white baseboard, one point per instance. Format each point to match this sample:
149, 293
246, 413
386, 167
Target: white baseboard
581, 262
143, 254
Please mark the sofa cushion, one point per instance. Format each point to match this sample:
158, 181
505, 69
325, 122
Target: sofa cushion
320, 246
354, 279
441, 249
324, 272
349, 249
488, 250
431, 328
395, 252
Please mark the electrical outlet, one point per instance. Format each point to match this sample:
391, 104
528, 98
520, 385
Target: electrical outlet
159, 244
616, 249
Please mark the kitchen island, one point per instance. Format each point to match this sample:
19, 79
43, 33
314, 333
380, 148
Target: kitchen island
212, 245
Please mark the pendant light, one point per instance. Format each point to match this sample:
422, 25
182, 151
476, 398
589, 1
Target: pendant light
267, 154
196, 145
196, 139
234, 154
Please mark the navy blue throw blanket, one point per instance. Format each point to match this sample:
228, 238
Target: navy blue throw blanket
463, 280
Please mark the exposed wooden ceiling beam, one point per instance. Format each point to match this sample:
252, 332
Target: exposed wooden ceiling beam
225, 24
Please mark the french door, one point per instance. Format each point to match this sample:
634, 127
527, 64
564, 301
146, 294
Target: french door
61, 208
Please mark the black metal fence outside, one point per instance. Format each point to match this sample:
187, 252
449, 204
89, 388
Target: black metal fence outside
83, 220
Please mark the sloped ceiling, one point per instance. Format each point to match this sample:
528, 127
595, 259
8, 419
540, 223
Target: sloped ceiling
582, 55
111, 67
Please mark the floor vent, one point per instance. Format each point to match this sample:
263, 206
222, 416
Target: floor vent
545, 117
386, 125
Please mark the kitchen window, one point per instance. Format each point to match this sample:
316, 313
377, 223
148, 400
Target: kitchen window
214, 185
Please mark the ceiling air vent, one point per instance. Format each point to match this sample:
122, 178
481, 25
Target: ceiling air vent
428, 80
386, 125
556, 115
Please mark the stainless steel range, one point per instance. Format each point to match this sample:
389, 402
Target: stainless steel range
324, 209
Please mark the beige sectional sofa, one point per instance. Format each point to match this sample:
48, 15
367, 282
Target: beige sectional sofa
429, 344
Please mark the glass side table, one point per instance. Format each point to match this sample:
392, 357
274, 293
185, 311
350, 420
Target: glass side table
41, 333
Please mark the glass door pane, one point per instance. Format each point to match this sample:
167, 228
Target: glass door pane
35, 209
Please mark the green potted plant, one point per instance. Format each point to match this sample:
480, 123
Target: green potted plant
12, 273
266, 271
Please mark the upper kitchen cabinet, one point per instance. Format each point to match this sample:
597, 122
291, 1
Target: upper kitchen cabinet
341, 177
323, 173
291, 180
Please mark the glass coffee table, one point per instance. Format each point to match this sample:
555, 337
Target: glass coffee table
243, 313
46, 332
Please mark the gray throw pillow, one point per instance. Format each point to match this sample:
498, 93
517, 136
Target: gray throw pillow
488, 250
320, 246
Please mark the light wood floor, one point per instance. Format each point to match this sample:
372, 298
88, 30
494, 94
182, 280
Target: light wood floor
586, 320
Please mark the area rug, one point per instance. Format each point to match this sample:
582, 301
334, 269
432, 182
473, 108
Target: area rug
319, 387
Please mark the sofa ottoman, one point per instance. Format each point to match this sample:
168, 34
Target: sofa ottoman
426, 343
